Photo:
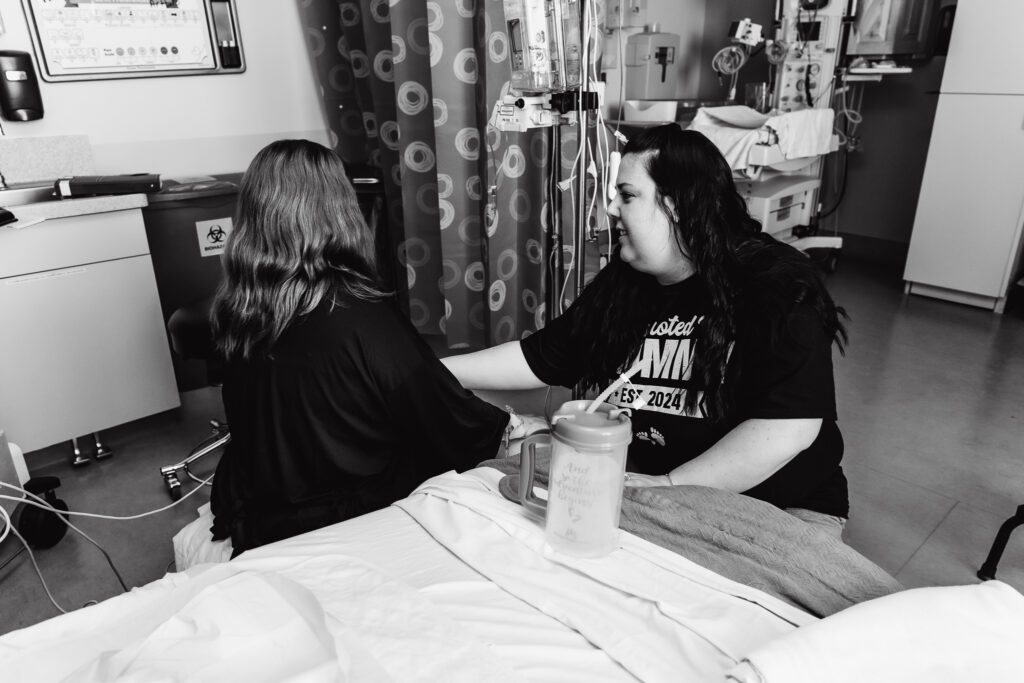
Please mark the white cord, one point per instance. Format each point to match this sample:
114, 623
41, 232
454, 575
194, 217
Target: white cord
728, 61
7, 524
10, 528
568, 272
44, 505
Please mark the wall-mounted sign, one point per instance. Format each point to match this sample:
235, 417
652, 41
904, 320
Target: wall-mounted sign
97, 39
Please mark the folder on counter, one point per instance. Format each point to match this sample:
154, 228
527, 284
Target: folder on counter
91, 185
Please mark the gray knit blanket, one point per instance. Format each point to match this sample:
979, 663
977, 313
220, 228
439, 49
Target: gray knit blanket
743, 539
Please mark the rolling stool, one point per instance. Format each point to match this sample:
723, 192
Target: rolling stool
988, 568
189, 328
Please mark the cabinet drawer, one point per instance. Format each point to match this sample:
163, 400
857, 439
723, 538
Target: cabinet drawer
72, 241
83, 349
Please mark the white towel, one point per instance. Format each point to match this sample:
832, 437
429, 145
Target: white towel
804, 133
719, 124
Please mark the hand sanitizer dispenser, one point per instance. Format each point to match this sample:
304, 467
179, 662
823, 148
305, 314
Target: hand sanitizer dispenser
19, 89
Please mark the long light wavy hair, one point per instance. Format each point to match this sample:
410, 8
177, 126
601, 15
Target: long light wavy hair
299, 236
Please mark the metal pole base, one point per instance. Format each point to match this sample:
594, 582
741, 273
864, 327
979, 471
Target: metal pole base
988, 568
77, 459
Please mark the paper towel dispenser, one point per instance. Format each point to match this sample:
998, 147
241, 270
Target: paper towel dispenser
19, 88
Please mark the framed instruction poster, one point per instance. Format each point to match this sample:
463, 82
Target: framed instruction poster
98, 39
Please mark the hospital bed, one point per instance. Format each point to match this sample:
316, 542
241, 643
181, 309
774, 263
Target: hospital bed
775, 160
454, 583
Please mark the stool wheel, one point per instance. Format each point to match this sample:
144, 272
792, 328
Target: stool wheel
173, 486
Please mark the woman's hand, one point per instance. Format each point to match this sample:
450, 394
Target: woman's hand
525, 425
520, 427
644, 480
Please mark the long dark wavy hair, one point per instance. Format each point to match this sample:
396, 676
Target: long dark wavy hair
299, 236
743, 270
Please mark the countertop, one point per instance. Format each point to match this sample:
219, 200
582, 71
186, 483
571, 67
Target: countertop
64, 208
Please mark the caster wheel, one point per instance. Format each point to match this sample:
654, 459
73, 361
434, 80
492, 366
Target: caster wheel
832, 262
102, 452
173, 486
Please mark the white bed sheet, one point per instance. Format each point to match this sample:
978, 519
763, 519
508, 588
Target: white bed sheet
392, 541
453, 583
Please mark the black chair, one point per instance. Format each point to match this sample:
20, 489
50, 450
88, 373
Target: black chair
189, 329
988, 568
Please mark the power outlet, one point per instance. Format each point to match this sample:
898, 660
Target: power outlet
626, 13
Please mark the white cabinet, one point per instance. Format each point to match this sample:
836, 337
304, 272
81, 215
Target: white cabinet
966, 240
985, 55
83, 346
967, 229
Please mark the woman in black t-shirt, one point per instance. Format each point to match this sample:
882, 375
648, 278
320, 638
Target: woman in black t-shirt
727, 332
337, 406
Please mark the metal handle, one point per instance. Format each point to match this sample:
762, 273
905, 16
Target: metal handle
527, 460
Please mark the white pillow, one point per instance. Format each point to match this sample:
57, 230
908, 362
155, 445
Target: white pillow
935, 635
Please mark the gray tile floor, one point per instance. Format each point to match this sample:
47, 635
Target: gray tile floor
931, 401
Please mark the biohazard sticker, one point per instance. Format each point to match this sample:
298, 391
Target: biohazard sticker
213, 235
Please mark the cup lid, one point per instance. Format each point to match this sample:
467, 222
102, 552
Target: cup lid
606, 426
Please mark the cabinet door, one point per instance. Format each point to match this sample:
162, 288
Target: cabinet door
83, 349
967, 227
985, 54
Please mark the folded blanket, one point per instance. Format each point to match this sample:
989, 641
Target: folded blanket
744, 539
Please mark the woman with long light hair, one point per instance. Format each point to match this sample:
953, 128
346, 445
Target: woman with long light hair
336, 405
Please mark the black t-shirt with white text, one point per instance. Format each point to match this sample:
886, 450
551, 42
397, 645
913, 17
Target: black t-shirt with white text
772, 376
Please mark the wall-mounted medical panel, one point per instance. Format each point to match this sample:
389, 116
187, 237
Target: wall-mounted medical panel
78, 40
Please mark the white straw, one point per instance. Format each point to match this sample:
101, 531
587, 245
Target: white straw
623, 378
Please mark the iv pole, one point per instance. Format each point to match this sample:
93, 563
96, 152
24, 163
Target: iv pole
580, 224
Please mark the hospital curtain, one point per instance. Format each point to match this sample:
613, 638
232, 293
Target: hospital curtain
408, 86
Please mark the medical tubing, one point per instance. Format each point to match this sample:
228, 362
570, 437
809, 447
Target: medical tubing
623, 378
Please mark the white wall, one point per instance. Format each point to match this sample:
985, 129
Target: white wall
185, 125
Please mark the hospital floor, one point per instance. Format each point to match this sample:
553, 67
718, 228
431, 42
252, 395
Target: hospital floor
931, 404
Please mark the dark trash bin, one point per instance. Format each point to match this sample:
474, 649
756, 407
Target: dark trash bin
187, 225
